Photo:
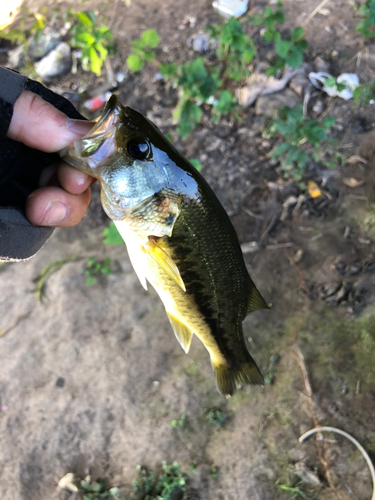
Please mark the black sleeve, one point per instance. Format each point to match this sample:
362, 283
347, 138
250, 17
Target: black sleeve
20, 169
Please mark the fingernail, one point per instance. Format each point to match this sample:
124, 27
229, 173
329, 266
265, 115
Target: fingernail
79, 127
55, 214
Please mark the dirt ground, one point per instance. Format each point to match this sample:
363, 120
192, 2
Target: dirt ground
91, 378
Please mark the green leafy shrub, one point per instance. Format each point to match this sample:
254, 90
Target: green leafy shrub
96, 490
93, 39
216, 417
366, 26
196, 85
169, 486
364, 94
298, 133
142, 50
95, 268
235, 48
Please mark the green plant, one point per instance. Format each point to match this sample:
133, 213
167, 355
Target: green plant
366, 26
298, 134
216, 417
180, 422
94, 40
235, 48
142, 50
196, 85
294, 489
95, 268
270, 375
196, 164
112, 236
169, 486
96, 490
364, 94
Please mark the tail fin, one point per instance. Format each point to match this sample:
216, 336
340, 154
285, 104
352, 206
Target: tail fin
228, 379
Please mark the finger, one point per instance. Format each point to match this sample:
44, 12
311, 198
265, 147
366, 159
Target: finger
40, 125
52, 206
73, 180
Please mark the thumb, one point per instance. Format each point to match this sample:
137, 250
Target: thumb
39, 125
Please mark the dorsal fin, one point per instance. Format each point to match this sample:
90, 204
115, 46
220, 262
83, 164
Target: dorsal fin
256, 301
182, 332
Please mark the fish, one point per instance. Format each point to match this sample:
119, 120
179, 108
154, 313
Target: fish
178, 236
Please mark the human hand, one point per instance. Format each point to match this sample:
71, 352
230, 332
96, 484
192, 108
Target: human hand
64, 194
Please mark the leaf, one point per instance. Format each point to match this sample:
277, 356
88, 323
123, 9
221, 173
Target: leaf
280, 149
83, 18
297, 33
112, 236
352, 183
189, 117
95, 61
196, 164
282, 48
150, 38
134, 63
295, 59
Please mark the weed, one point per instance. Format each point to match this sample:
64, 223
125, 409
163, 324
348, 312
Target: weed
142, 50
196, 164
216, 417
235, 48
196, 85
95, 268
46, 272
169, 486
93, 39
293, 489
298, 133
180, 422
214, 471
364, 94
96, 490
112, 236
367, 24
270, 375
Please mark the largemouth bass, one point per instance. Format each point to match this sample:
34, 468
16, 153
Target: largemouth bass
178, 236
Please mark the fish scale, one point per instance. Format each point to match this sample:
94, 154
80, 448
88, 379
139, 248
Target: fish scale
178, 235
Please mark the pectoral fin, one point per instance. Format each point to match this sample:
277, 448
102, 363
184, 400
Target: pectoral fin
164, 261
256, 301
182, 332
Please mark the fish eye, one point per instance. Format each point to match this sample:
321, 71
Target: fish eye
138, 149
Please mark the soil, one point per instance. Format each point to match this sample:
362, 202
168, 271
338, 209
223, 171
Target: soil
92, 377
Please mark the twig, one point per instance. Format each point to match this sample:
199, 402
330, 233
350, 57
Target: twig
301, 362
354, 441
314, 12
251, 213
18, 320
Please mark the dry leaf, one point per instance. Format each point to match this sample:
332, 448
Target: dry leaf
355, 159
352, 183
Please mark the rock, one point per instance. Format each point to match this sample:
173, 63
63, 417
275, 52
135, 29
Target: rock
57, 63
306, 475
299, 83
202, 43
321, 65
16, 57
267, 105
42, 43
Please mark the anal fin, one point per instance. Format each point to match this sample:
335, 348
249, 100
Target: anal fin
182, 332
164, 261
